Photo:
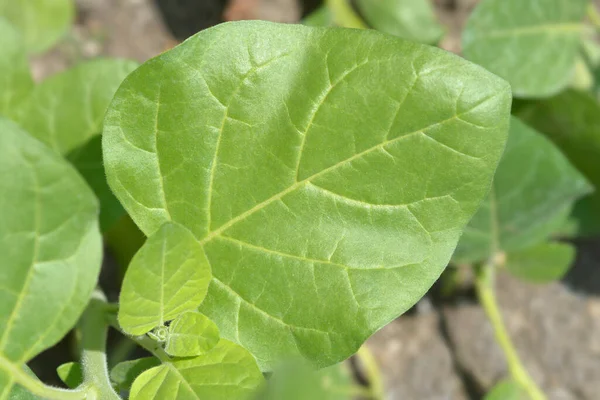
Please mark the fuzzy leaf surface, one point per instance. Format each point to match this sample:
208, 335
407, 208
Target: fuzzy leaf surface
321, 170
228, 371
168, 276
532, 194
191, 334
533, 44
50, 245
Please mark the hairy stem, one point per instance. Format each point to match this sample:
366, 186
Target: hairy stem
94, 329
38, 388
484, 284
372, 371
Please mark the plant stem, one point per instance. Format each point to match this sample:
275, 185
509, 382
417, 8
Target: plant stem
484, 284
38, 388
94, 328
373, 374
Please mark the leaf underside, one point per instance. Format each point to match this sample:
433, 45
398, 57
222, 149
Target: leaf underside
326, 172
533, 44
50, 245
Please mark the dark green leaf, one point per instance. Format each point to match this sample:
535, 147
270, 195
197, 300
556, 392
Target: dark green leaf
169, 275
534, 189
543, 263
50, 248
409, 19
123, 374
533, 44
320, 168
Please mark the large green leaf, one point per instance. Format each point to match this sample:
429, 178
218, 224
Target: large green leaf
533, 44
19, 392
191, 334
168, 276
327, 173
50, 248
42, 22
15, 79
408, 19
66, 112
543, 263
228, 371
532, 194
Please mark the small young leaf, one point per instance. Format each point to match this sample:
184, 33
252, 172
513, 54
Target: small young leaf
543, 263
168, 276
320, 168
15, 79
191, 334
42, 22
533, 44
71, 374
50, 247
227, 371
124, 373
409, 19
532, 194
67, 109
506, 390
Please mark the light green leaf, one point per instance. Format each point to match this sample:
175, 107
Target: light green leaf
123, 374
324, 175
533, 44
506, 390
168, 276
409, 19
228, 371
66, 110
87, 159
50, 245
296, 381
15, 79
42, 22
191, 334
19, 392
322, 16
543, 263
531, 196
71, 374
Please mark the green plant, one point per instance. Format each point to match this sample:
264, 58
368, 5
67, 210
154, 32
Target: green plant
300, 187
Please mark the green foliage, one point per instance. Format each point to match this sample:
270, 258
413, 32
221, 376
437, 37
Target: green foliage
409, 19
533, 44
168, 276
532, 194
320, 169
123, 374
15, 78
71, 374
191, 334
42, 22
543, 263
227, 371
49, 243
506, 390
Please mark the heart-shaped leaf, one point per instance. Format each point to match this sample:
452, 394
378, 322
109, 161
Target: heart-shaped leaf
50, 248
124, 373
409, 19
168, 276
327, 173
42, 22
228, 371
543, 263
191, 334
15, 79
532, 194
533, 44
